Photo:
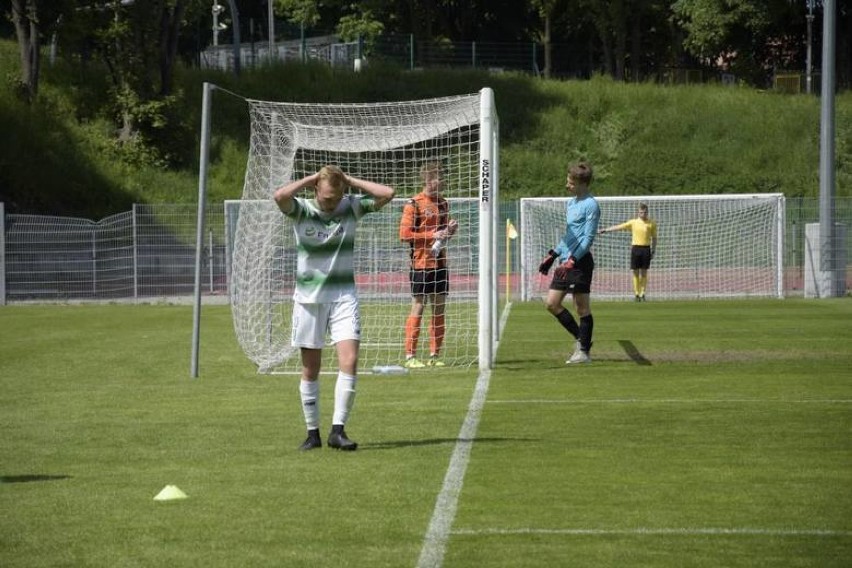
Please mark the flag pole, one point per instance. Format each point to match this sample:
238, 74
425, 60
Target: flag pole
511, 235
508, 260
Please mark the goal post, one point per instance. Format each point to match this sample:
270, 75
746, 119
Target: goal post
388, 143
709, 246
489, 149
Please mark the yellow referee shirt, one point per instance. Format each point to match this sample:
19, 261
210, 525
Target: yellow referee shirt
642, 231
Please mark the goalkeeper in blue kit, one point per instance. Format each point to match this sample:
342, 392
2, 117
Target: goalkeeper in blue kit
576, 266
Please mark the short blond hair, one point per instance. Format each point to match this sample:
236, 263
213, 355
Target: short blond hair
334, 176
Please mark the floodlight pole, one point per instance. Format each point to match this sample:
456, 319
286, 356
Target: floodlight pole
235, 16
199, 233
809, 73
829, 245
271, 17
826, 154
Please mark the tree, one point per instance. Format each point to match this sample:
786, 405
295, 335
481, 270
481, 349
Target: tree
137, 41
746, 37
305, 13
545, 9
33, 19
360, 26
25, 17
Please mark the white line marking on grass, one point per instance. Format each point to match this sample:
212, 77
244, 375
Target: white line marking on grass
670, 401
435, 543
685, 531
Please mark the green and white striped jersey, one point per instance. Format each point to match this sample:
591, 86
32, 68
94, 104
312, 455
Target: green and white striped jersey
325, 269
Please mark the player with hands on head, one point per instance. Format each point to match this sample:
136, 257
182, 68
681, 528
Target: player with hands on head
576, 265
426, 226
643, 245
325, 298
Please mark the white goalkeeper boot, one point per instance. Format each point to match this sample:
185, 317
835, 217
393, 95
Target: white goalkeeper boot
579, 356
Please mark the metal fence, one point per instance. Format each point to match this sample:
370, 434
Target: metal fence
148, 253
145, 253
409, 52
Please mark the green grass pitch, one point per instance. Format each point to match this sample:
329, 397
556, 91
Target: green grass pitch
713, 433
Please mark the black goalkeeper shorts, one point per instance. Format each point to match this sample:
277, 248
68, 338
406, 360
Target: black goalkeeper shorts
431, 281
578, 280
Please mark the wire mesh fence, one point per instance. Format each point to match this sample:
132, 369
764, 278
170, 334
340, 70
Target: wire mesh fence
144, 253
148, 253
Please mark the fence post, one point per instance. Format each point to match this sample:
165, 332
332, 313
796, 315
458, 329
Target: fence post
410, 52
94, 261
2, 255
210, 257
135, 245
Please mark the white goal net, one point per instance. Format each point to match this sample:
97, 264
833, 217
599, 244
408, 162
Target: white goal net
708, 246
388, 143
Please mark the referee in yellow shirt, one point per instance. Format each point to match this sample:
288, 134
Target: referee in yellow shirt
643, 244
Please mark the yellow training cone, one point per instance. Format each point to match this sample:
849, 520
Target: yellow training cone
170, 493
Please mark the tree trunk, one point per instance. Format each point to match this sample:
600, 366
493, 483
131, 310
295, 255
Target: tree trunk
620, 53
169, 34
548, 48
25, 18
636, 47
619, 25
606, 46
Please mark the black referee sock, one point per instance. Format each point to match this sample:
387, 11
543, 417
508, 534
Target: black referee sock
567, 321
587, 324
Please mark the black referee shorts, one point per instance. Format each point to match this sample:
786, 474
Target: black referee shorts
640, 257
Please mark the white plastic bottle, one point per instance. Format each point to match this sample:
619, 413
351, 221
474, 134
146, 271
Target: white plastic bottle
389, 370
437, 246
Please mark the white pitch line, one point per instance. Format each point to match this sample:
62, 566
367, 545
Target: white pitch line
641, 531
435, 542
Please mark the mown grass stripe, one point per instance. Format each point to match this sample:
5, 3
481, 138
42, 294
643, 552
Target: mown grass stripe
647, 531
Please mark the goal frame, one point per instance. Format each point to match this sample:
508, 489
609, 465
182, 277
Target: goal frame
529, 267
487, 320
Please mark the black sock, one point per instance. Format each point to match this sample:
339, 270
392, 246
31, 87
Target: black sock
336, 428
587, 324
567, 320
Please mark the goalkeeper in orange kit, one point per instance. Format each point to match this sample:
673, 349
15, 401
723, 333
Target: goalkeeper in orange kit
426, 226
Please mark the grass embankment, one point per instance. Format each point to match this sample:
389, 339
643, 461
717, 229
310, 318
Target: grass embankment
59, 156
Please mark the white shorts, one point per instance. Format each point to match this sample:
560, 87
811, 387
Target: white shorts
311, 322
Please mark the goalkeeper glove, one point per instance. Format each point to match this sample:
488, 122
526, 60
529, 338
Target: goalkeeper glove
548, 261
562, 270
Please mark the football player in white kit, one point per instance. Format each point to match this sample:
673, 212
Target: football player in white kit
325, 299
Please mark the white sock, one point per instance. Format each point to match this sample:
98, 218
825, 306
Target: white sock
309, 391
344, 397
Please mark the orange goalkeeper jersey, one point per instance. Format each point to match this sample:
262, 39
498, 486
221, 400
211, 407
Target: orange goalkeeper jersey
422, 216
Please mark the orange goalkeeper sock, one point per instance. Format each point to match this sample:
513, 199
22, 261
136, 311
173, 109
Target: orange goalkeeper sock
436, 334
412, 334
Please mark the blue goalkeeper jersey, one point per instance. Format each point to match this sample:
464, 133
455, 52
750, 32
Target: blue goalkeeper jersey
582, 217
